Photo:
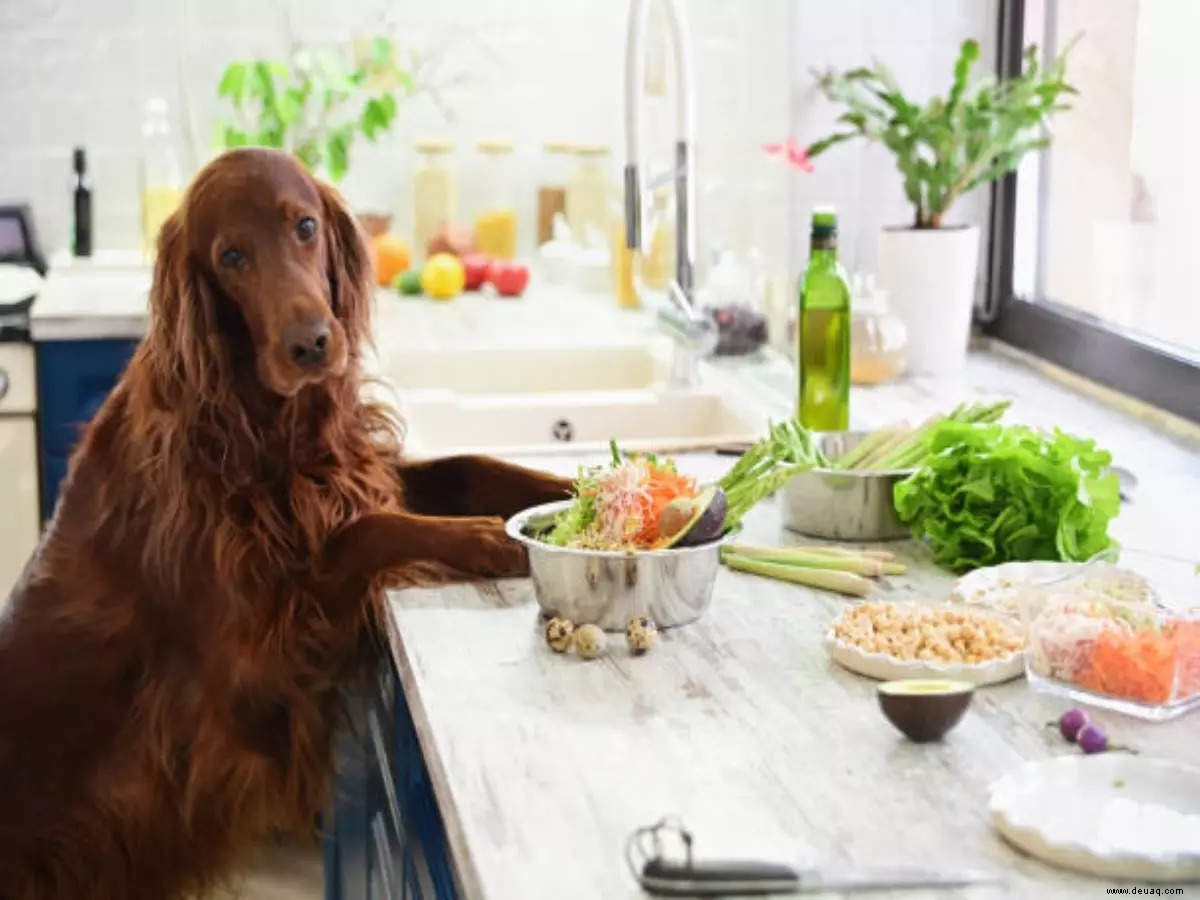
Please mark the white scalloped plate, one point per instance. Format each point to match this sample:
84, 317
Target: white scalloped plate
1112, 815
889, 668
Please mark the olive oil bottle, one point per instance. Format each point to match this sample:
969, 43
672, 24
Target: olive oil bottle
823, 332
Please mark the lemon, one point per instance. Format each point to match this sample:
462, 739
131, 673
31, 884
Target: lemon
443, 276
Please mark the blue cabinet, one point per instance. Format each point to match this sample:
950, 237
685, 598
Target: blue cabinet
73, 380
385, 840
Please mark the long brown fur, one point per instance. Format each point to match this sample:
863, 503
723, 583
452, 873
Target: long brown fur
171, 659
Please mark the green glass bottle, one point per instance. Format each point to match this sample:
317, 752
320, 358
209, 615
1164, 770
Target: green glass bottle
823, 332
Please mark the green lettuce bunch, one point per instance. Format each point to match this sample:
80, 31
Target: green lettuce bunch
989, 494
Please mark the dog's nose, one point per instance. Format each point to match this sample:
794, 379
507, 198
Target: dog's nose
308, 344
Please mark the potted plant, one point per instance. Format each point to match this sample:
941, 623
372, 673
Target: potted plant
944, 148
316, 104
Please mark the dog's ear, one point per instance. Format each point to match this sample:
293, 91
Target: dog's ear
351, 280
184, 341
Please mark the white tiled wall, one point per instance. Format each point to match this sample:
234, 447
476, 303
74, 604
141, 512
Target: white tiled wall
78, 71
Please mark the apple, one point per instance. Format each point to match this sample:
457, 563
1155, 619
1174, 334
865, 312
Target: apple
476, 266
508, 278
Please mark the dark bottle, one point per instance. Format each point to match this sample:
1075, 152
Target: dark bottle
81, 232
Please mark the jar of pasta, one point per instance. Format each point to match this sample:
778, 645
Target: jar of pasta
435, 197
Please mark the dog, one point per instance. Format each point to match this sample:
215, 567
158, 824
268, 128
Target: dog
171, 658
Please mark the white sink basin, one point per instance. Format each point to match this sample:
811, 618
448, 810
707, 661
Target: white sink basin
571, 422
526, 370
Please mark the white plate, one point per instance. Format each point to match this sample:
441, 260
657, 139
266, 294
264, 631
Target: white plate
999, 588
889, 668
1112, 815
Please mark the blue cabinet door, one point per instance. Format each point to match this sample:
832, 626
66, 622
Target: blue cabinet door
385, 840
73, 379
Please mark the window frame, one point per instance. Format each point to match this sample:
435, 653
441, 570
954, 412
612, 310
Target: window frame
1101, 351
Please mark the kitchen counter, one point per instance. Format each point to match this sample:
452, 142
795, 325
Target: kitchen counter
543, 764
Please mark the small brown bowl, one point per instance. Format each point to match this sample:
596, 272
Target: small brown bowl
924, 709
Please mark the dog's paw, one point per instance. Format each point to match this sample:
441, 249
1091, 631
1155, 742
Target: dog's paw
493, 553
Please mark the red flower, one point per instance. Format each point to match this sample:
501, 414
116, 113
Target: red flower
796, 156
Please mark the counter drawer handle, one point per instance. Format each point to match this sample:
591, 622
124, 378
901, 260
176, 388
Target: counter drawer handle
5, 381
385, 773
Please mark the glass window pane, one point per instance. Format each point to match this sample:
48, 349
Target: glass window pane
1108, 219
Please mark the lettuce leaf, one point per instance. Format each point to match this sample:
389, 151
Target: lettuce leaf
989, 494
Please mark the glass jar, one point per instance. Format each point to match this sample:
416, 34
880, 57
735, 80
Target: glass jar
496, 213
435, 195
161, 174
878, 338
588, 191
552, 191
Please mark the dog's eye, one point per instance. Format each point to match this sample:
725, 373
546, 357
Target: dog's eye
233, 258
306, 228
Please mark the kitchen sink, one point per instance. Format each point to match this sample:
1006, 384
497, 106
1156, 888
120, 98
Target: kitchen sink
571, 422
525, 370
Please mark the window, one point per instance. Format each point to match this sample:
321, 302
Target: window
1095, 254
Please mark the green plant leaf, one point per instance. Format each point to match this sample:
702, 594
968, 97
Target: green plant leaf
377, 116
290, 105
233, 83
338, 154
229, 136
309, 153
382, 51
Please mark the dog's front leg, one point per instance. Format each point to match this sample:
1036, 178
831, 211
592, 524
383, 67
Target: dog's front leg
477, 486
359, 552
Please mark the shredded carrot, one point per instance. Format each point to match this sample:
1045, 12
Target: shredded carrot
1142, 665
662, 486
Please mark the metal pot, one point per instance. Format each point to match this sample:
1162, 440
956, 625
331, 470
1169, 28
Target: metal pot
840, 504
609, 587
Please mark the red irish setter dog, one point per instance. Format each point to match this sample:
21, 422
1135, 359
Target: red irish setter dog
171, 658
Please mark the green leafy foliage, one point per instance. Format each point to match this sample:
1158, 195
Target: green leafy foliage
947, 146
989, 494
316, 104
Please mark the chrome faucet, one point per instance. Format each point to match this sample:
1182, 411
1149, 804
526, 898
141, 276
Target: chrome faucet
694, 332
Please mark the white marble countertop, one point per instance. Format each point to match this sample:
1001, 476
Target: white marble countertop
739, 723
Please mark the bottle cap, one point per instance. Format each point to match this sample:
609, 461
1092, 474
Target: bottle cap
434, 145
79, 160
824, 221
494, 145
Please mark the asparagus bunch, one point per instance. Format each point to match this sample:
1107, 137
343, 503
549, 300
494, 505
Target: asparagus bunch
837, 569
787, 450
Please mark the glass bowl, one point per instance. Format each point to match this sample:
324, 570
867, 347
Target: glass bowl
1133, 656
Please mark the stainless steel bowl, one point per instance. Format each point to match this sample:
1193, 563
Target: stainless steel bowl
608, 588
843, 505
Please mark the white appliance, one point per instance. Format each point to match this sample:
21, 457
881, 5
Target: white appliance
18, 462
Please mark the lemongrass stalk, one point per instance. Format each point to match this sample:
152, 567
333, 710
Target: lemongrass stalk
791, 556
886, 555
886, 458
913, 453
864, 448
885, 450
825, 579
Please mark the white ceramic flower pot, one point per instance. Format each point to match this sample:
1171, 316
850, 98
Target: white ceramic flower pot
930, 278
